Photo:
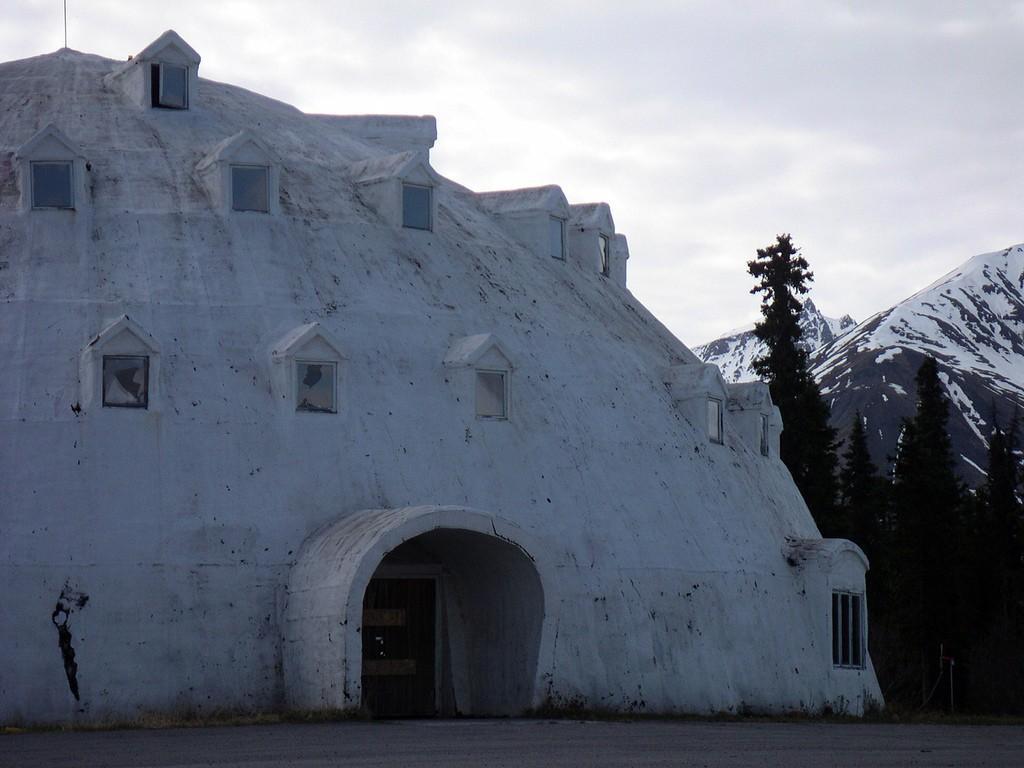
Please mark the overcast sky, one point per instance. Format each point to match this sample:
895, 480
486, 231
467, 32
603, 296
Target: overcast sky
885, 136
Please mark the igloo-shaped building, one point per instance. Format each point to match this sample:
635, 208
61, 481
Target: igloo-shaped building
292, 421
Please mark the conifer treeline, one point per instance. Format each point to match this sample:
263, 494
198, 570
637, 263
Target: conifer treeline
946, 585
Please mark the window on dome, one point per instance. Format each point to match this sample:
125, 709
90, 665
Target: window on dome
125, 381
250, 188
51, 185
170, 86
764, 435
492, 394
316, 386
416, 204
714, 420
556, 237
603, 253
848, 630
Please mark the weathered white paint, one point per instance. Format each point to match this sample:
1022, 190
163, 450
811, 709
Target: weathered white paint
664, 562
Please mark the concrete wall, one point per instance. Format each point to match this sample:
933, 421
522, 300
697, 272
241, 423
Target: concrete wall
169, 536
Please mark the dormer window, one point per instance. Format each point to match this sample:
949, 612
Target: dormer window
764, 434
492, 394
416, 206
250, 188
163, 75
556, 238
51, 172
483, 370
604, 255
125, 381
307, 364
169, 84
53, 184
120, 368
715, 420
242, 174
316, 386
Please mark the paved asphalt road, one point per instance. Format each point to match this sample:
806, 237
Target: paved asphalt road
527, 743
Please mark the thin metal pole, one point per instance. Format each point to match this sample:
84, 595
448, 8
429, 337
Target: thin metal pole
65, 23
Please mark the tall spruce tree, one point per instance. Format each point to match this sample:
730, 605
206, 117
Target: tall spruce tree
808, 442
860, 493
928, 531
1000, 528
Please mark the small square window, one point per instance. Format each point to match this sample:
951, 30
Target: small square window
556, 237
250, 188
316, 387
602, 246
51, 185
416, 205
492, 394
170, 86
125, 381
848, 630
764, 434
714, 420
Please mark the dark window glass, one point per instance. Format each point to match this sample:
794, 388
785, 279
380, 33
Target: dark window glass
837, 637
603, 253
316, 387
125, 381
173, 86
416, 206
764, 435
249, 188
857, 652
556, 238
491, 401
715, 420
51, 185
845, 602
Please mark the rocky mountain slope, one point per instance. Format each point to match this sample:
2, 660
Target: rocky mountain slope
971, 321
734, 353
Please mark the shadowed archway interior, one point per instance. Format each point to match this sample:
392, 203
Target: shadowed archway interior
451, 625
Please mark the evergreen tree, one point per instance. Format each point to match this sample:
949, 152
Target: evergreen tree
1000, 530
928, 531
861, 494
808, 442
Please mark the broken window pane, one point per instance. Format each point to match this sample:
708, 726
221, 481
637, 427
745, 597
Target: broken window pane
416, 206
51, 185
715, 420
125, 381
604, 255
249, 188
490, 394
173, 86
764, 435
556, 237
316, 387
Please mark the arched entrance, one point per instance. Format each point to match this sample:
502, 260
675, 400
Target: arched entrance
418, 611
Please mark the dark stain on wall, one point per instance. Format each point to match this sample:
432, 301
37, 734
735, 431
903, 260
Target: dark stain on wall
70, 599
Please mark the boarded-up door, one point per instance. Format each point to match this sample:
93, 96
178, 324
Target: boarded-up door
399, 631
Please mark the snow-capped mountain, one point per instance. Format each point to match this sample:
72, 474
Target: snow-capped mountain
735, 352
972, 322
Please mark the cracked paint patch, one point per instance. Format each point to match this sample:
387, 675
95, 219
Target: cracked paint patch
69, 600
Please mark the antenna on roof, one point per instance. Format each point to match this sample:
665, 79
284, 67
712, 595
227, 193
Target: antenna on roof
65, 23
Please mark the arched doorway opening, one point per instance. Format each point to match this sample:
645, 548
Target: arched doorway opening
418, 611
451, 625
